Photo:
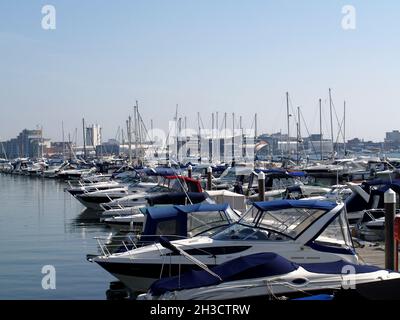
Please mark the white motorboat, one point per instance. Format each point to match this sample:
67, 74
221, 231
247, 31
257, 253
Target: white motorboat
265, 276
169, 184
299, 230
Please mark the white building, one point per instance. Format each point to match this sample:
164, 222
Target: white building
93, 135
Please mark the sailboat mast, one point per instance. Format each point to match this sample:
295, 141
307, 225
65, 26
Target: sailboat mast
288, 124
233, 137
84, 138
320, 129
330, 111
63, 143
344, 128
298, 134
129, 132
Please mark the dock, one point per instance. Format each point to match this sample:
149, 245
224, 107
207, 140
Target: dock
372, 254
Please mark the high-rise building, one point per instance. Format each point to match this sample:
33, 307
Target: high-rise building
93, 135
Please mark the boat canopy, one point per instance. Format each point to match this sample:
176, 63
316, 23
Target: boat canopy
187, 221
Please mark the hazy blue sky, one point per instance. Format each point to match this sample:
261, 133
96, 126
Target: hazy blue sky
205, 55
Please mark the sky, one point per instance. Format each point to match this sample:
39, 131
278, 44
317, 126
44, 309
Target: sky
204, 56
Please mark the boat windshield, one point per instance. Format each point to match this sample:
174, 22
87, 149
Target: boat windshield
337, 233
280, 224
207, 222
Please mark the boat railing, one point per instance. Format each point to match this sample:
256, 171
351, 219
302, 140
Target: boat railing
126, 243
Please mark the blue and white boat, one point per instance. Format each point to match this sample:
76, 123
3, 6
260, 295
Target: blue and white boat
302, 231
265, 276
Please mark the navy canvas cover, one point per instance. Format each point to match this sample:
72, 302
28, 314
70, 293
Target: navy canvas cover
252, 266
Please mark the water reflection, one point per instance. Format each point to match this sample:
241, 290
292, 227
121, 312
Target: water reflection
60, 233
88, 219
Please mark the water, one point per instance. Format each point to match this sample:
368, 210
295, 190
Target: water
40, 225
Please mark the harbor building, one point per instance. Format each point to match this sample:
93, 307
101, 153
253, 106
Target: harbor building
29, 143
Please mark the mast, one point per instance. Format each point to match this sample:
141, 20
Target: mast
84, 138
344, 128
298, 134
225, 123
320, 128
233, 136
330, 110
288, 124
211, 144
255, 135
70, 146
243, 138
63, 143
152, 134
199, 136
129, 133
135, 115
41, 140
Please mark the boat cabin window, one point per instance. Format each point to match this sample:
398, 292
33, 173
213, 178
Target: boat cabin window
336, 234
199, 222
168, 227
180, 185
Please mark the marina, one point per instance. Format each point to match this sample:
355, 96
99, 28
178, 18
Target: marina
128, 212
199, 157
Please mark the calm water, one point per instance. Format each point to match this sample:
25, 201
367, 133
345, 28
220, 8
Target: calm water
40, 224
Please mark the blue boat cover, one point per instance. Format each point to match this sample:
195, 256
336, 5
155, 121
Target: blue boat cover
286, 204
160, 171
176, 198
173, 211
252, 266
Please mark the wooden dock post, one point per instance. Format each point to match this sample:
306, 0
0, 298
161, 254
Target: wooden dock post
209, 178
390, 212
261, 186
